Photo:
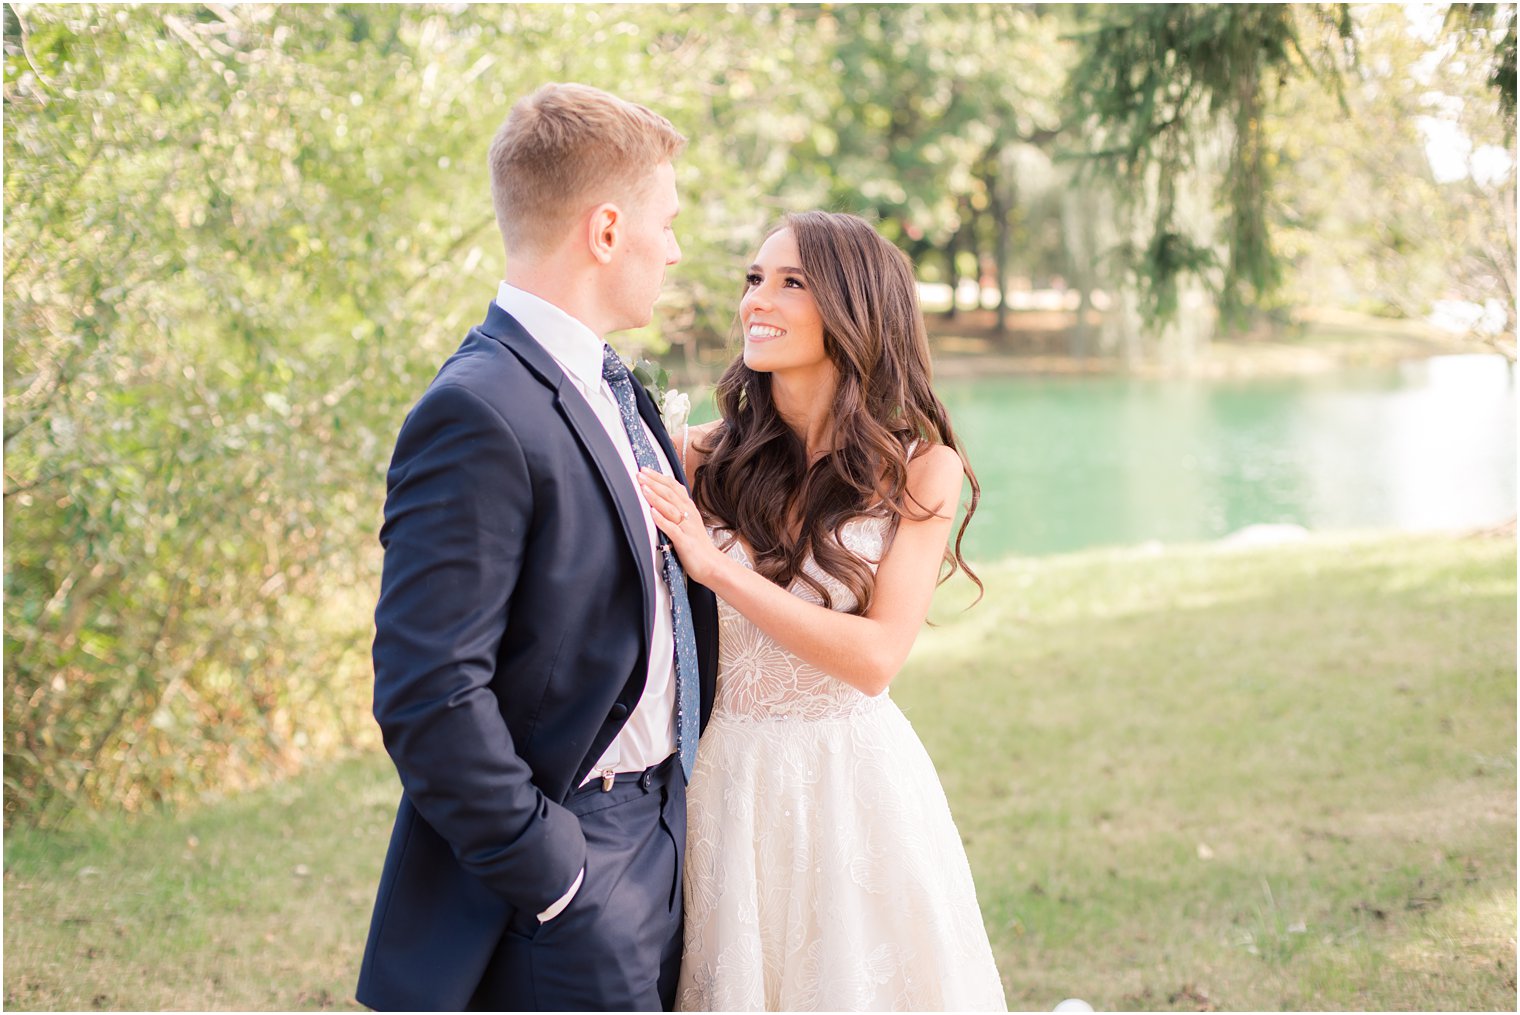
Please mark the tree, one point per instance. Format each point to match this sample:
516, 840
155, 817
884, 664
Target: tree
1493, 24
240, 242
216, 229
1366, 218
1153, 83
923, 107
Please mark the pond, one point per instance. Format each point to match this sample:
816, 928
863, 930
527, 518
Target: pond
1071, 463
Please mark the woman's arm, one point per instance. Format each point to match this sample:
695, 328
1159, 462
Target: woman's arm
864, 651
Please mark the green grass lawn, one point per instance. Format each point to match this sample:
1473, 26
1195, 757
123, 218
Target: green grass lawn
1282, 778
1276, 779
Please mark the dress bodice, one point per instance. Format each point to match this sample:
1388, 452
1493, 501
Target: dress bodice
757, 678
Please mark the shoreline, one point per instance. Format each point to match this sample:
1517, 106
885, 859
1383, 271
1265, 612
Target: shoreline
1221, 361
1317, 343
1254, 539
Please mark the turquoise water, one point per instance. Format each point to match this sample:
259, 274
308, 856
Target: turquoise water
1071, 463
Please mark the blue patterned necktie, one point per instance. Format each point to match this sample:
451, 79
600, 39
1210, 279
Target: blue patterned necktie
688, 693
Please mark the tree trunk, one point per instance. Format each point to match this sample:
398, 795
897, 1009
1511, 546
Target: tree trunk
998, 209
1081, 332
953, 274
689, 352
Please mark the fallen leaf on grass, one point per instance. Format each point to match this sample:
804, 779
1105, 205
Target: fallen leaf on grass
1191, 998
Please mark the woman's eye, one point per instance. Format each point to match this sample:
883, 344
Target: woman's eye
795, 283
751, 280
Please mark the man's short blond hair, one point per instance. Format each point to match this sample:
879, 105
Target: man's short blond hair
565, 148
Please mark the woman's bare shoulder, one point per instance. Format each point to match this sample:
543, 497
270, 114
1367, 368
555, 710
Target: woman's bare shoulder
696, 444
934, 476
935, 460
701, 430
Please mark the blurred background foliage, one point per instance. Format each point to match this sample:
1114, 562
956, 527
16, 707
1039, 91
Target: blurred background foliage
240, 240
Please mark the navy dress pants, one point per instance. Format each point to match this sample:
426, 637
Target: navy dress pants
617, 946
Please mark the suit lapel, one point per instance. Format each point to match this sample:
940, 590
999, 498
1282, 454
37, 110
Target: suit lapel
593, 440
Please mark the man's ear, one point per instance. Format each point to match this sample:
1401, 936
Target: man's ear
602, 228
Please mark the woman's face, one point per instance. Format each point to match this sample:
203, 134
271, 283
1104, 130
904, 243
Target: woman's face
783, 329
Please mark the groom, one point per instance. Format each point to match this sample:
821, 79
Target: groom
541, 664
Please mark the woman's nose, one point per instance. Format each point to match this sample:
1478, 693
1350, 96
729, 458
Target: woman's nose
755, 298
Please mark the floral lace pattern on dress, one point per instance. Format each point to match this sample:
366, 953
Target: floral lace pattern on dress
758, 679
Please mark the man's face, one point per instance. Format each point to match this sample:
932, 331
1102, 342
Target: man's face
648, 246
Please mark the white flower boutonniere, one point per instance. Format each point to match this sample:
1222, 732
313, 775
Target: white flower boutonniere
674, 405
675, 408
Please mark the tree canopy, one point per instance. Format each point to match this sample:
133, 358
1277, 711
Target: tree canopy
240, 240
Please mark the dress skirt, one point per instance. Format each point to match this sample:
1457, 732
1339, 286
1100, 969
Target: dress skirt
824, 871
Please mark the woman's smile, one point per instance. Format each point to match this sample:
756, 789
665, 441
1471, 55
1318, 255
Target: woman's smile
758, 332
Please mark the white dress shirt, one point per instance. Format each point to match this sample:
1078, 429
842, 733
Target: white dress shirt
649, 735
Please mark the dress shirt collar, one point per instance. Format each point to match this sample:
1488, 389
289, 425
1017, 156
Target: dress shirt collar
574, 346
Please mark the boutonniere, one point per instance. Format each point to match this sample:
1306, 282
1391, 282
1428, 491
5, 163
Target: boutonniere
674, 404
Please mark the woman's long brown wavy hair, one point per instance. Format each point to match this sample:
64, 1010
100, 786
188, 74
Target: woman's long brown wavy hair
757, 480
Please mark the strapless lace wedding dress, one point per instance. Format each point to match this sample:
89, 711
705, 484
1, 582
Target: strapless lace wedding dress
823, 869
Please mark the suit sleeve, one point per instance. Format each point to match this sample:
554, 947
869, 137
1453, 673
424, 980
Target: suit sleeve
457, 515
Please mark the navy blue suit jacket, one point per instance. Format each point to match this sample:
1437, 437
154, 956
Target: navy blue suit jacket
511, 644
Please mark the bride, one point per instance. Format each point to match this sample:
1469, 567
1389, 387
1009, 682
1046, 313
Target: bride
823, 869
